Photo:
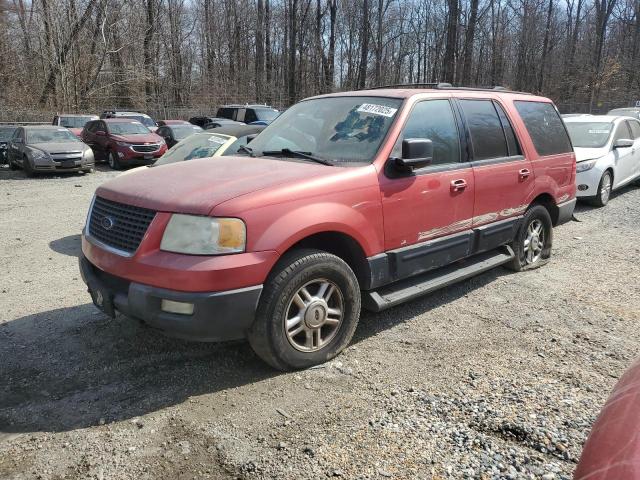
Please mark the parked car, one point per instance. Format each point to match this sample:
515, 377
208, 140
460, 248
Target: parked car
608, 154
46, 148
174, 133
163, 123
123, 142
208, 144
612, 451
143, 118
626, 112
73, 122
221, 122
368, 198
248, 113
202, 121
6, 132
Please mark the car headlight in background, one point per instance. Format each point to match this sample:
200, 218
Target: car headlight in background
123, 144
39, 155
204, 235
586, 165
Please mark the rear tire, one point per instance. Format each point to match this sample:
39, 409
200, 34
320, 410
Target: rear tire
308, 310
114, 163
12, 166
26, 166
604, 191
532, 245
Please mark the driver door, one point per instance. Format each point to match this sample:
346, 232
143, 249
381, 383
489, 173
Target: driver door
428, 211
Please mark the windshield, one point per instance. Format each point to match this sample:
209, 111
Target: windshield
181, 132
196, 146
59, 135
75, 122
6, 133
589, 134
338, 129
146, 121
128, 128
266, 114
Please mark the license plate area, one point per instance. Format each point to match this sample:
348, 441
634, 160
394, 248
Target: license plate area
68, 164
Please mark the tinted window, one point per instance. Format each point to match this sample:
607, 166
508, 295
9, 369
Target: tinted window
512, 141
433, 120
485, 127
225, 113
635, 129
545, 127
250, 116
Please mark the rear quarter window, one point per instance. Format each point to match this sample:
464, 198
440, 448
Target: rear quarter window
545, 127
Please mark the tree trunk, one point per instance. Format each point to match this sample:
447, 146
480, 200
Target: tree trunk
469, 38
449, 63
364, 52
259, 70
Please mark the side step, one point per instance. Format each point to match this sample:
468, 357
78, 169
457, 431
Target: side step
405, 290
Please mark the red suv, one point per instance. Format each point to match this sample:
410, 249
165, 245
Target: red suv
123, 142
367, 198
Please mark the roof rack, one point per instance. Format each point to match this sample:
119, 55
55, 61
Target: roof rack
448, 86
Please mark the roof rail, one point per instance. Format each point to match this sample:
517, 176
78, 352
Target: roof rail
448, 86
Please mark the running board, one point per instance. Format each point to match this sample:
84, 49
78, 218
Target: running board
405, 290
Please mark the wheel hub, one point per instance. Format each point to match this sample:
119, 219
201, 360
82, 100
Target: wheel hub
316, 314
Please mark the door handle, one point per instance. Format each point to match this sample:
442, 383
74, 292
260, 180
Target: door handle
458, 185
524, 173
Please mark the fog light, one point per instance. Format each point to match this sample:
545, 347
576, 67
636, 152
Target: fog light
177, 307
583, 187
121, 155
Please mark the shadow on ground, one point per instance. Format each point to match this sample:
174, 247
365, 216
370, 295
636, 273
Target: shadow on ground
68, 368
70, 245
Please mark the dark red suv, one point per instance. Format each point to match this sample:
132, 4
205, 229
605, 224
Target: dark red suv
368, 198
123, 142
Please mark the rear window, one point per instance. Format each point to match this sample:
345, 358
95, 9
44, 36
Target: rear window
545, 127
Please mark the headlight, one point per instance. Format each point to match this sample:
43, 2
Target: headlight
204, 235
586, 165
123, 144
39, 155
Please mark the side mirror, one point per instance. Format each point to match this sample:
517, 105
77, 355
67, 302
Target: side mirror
623, 143
416, 153
251, 137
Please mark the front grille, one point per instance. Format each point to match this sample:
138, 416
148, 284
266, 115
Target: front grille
144, 148
118, 225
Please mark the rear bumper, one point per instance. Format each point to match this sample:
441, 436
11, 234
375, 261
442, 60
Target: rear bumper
216, 316
565, 211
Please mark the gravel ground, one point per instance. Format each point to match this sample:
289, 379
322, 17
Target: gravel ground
497, 377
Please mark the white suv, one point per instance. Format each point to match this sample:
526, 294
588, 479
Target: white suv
607, 154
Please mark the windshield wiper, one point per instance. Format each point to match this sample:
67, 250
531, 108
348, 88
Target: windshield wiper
297, 153
244, 148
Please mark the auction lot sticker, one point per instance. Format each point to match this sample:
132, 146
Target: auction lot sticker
377, 109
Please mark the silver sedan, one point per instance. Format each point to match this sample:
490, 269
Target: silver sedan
48, 148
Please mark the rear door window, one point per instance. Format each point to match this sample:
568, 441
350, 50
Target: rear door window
512, 140
485, 127
433, 120
545, 127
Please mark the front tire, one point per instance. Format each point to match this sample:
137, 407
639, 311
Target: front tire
532, 245
604, 191
26, 166
114, 163
308, 311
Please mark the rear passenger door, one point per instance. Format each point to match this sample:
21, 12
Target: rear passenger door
503, 176
427, 211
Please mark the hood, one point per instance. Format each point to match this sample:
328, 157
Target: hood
197, 186
146, 138
583, 154
59, 147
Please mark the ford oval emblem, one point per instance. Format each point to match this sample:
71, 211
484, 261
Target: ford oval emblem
107, 223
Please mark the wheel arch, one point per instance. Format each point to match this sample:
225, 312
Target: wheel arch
341, 245
548, 202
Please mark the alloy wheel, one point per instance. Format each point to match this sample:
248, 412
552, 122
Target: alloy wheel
534, 241
605, 189
314, 315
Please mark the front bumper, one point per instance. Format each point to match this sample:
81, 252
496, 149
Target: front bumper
217, 316
128, 156
587, 182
